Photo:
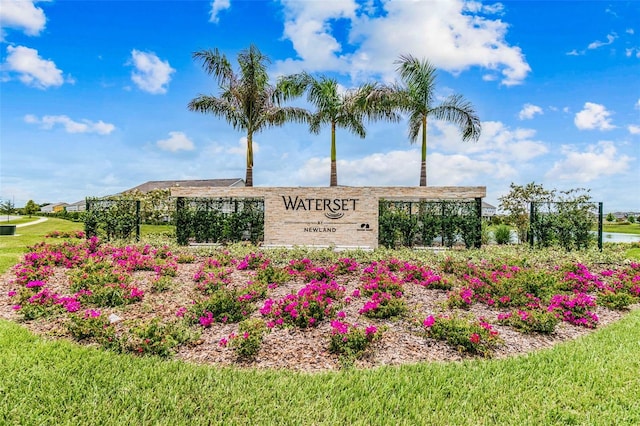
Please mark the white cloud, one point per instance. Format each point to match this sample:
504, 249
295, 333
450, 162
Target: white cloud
385, 169
241, 149
574, 52
496, 141
216, 7
22, 15
177, 141
632, 51
633, 129
637, 104
151, 74
593, 116
32, 70
451, 37
529, 111
597, 161
596, 44
402, 168
71, 126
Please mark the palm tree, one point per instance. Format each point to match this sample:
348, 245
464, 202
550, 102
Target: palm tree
416, 97
338, 108
247, 101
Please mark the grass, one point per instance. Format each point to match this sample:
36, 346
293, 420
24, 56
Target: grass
14, 246
633, 253
19, 221
624, 228
592, 380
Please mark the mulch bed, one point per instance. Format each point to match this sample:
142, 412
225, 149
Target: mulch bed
304, 350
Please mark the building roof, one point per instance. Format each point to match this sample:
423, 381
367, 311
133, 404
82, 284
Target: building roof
202, 183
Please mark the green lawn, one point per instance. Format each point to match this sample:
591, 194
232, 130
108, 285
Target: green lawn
624, 228
22, 219
13, 246
592, 380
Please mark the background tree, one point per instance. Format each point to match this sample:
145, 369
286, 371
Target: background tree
610, 217
247, 101
416, 96
336, 107
7, 207
574, 218
516, 204
31, 208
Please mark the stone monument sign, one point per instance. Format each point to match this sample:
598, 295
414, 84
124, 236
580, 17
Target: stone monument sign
343, 216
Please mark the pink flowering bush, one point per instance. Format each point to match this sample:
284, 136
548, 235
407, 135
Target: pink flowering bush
252, 261
313, 302
305, 269
248, 341
578, 278
503, 285
384, 305
221, 306
66, 234
621, 289
73, 282
422, 276
462, 298
530, 320
36, 300
94, 326
464, 334
346, 265
212, 276
351, 340
271, 275
379, 277
574, 309
101, 284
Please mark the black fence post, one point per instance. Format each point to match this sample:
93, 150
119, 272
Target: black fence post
137, 220
478, 242
442, 222
600, 225
531, 220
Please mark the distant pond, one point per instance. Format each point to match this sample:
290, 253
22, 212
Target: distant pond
614, 237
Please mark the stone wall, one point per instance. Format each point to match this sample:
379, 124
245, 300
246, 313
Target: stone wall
327, 216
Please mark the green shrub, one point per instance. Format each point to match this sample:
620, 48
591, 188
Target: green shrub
530, 320
502, 234
223, 305
350, 340
466, 335
93, 326
616, 300
156, 338
247, 342
272, 275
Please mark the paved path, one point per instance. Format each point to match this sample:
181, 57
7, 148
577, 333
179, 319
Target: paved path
19, 225
42, 219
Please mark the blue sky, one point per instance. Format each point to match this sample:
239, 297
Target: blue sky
94, 95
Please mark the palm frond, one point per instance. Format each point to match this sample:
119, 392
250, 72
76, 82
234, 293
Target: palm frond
461, 113
217, 65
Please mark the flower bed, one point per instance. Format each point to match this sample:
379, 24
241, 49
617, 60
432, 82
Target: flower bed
264, 309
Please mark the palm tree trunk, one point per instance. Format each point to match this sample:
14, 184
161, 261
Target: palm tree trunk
423, 164
249, 174
334, 167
